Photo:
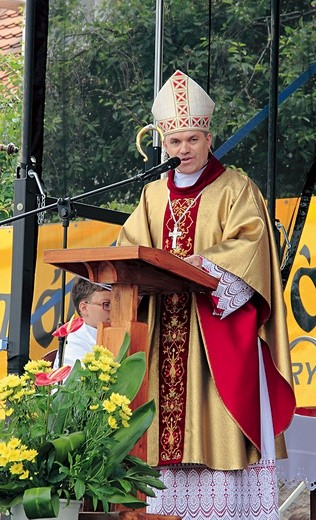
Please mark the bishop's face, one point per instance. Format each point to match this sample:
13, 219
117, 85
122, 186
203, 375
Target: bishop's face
192, 147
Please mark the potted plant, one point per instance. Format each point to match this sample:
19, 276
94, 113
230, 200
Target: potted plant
73, 440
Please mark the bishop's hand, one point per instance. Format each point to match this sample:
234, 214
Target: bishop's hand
195, 260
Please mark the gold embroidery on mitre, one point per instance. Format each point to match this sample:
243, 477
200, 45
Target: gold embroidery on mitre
182, 103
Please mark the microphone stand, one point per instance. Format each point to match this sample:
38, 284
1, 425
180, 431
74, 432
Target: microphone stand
66, 211
65, 203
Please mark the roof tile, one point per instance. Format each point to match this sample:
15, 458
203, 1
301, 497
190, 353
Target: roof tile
11, 31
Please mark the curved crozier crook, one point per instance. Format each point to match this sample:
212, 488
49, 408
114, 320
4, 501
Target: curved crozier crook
140, 136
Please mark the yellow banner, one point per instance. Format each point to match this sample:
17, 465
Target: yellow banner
300, 292
300, 298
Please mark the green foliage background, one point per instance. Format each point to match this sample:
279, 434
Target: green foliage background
10, 126
100, 74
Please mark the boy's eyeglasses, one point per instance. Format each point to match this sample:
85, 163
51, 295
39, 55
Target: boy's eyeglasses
104, 305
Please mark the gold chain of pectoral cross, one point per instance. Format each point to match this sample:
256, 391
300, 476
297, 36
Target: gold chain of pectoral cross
176, 233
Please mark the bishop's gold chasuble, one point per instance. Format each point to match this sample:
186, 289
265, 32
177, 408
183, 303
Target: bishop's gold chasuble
204, 371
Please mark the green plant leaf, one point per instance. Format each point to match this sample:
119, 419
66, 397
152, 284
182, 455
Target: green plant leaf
124, 348
139, 467
80, 489
40, 503
143, 488
61, 400
127, 438
61, 447
130, 375
125, 485
148, 481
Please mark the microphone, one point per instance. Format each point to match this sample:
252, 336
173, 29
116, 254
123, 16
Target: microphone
171, 164
9, 148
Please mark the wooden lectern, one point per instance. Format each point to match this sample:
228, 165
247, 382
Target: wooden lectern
133, 271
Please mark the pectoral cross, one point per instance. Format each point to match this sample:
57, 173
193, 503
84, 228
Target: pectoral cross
175, 234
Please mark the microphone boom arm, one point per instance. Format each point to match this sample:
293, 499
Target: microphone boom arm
172, 163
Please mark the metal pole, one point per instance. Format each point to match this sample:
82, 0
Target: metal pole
158, 71
27, 86
23, 251
158, 47
25, 230
273, 107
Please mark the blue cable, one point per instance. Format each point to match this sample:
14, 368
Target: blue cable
263, 114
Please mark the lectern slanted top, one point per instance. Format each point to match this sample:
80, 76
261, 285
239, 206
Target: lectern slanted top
152, 270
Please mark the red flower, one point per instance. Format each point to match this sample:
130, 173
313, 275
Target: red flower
73, 324
44, 379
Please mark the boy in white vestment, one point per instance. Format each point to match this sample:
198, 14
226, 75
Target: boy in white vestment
92, 303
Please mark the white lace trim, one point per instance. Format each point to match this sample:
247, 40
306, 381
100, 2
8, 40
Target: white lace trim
232, 292
195, 492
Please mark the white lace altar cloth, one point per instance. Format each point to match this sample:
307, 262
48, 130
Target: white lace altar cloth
300, 466
194, 492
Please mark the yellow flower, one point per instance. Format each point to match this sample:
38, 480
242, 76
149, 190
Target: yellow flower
14, 455
14, 443
25, 378
93, 406
125, 424
104, 377
40, 365
9, 411
11, 381
124, 416
16, 469
88, 358
126, 409
92, 367
100, 359
18, 396
104, 366
101, 349
4, 395
112, 423
29, 455
24, 475
30, 391
108, 406
119, 399
14, 451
